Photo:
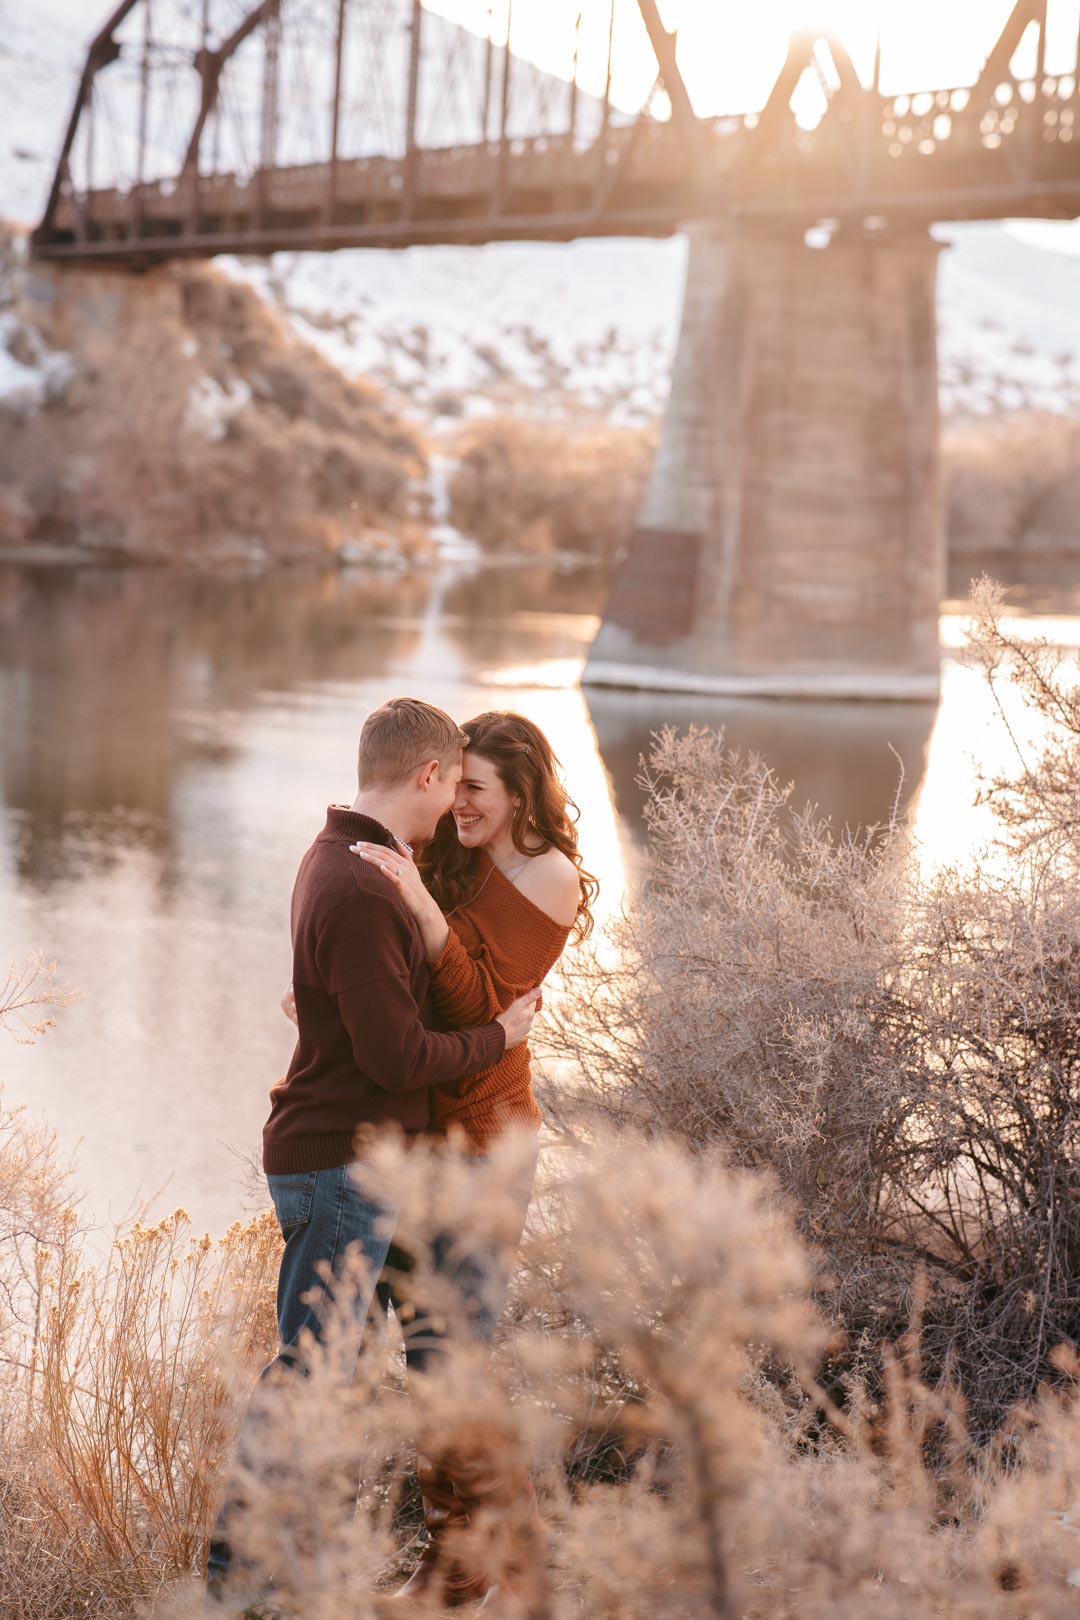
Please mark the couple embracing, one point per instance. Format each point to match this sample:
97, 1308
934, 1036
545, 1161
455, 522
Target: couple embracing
425, 917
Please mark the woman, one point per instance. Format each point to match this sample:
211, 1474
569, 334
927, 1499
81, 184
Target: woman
496, 895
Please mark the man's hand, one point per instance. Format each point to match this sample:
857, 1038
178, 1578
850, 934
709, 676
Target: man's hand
288, 1004
517, 1020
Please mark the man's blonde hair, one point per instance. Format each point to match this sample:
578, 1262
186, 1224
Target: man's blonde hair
400, 736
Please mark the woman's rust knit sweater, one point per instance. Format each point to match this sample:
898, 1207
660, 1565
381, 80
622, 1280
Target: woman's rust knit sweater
500, 945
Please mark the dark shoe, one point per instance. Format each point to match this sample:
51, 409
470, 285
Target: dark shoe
445, 1513
460, 1493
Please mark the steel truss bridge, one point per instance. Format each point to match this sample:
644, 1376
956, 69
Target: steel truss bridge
211, 126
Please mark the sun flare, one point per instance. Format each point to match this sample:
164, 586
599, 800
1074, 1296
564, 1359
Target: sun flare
730, 60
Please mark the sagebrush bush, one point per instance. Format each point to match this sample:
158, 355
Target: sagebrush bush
901, 1052
536, 487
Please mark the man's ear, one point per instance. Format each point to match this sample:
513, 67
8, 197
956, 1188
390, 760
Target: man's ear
427, 774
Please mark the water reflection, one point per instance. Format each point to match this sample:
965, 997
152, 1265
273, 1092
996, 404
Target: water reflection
853, 761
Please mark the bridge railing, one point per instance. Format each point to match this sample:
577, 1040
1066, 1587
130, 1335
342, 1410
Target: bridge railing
205, 124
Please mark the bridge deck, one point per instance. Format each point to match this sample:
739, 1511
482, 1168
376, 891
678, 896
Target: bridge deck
548, 189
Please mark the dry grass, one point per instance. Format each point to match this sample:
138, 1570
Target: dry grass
1011, 485
544, 487
745, 1491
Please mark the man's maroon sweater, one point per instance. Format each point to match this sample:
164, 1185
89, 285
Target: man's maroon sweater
368, 1050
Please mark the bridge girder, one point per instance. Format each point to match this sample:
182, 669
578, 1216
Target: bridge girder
870, 155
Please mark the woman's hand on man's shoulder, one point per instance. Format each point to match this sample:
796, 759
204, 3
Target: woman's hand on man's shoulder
551, 882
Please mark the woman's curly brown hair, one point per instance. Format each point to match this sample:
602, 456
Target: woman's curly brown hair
528, 768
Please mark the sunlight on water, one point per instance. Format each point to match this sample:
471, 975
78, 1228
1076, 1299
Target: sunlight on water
554, 673
972, 741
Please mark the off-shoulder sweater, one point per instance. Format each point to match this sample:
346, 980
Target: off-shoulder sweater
500, 945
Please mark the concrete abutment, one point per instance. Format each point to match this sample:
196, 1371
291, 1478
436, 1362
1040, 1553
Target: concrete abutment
791, 541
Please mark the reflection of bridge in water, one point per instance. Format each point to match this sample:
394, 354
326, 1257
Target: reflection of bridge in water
791, 539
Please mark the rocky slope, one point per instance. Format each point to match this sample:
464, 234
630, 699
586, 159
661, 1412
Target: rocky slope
173, 414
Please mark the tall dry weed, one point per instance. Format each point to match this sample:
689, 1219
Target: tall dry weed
118, 1376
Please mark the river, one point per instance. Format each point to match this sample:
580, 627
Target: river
169, 744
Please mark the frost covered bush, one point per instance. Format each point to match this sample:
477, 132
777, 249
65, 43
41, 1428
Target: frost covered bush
901, 1053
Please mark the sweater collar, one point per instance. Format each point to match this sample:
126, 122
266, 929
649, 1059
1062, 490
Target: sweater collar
354, 827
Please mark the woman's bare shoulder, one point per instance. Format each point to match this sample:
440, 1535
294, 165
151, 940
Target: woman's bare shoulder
551, 882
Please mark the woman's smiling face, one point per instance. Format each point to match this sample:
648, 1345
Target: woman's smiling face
484, 807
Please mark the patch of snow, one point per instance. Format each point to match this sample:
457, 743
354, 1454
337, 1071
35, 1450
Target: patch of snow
212, 406
27, 384
1009, 323
592, 325
588, 325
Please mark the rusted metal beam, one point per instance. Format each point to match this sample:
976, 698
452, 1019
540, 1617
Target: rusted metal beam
798, 211
683, 115
504, 116
144, 116
268, 112
608, 76
412, 106
335, 127
776, 116
211, 64
574, 80
648, 178
1023, 14
103, 50
489, 54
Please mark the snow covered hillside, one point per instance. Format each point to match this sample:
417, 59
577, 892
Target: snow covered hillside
551, 329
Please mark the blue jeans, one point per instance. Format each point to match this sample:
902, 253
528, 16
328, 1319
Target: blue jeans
326, 1218
323, 1216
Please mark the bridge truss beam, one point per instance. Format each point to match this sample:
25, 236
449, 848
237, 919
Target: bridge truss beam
368, 122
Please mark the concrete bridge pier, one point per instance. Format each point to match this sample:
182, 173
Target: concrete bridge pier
791, 542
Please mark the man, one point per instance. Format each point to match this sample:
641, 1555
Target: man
367, 1051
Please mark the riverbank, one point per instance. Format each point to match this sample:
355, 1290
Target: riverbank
206, 416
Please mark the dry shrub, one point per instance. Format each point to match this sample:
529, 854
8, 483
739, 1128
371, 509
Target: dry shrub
192, 423
118, 1376
738, 1502
545, 487
120, 1411
670, 1263
1038, 804
901, 1054
1011, 480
